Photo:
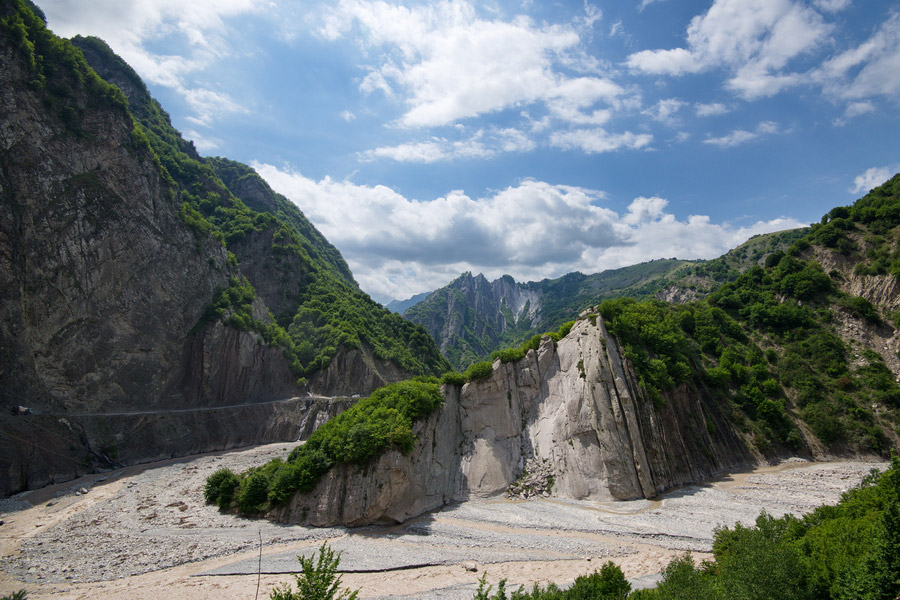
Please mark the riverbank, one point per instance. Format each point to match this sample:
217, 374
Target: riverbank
144, 532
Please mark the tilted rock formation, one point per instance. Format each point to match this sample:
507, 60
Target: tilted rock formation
575, 406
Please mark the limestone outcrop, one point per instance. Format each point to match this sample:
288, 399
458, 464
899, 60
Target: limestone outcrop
575, 407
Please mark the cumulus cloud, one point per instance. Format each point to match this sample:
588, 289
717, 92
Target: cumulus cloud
448, 64
740, 136
666, 111
482, 144
398, 246
754, 40
598, 140
870, 69
711, 110
872, 178
129, 26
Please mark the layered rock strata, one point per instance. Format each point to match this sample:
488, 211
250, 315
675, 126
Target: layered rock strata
575, 406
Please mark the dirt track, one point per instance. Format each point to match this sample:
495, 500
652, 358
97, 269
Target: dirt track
145, 533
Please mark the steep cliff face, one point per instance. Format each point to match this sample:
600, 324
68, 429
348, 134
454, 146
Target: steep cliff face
470, 316
575, 406
102, 285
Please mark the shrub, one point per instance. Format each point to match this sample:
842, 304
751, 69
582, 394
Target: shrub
453, 378
318, 579
479, 370
253, 492
508, 355
608, 583
220, 486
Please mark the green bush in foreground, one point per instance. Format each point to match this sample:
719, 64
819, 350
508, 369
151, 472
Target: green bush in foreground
608, 583
318, 579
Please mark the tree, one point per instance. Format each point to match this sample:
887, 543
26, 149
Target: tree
317, 580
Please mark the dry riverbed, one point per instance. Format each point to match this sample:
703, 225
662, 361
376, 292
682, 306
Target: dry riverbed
144, 532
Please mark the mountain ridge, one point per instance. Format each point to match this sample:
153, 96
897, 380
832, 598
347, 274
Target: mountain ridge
132, 278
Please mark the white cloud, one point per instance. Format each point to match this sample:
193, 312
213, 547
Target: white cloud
741, 136
203, 143
754, 40
597, 140
665, 111
397, 246
711, 110
853, 110
832, 5
870, 69
482, 144
645, 3
448, 64
872, 178
129, 26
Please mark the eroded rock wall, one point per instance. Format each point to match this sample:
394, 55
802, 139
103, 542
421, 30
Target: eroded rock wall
575, 407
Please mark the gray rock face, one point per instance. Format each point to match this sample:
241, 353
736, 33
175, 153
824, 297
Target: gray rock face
102, 285
575, 408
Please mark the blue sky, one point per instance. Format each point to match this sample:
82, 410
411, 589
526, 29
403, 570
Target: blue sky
528, 138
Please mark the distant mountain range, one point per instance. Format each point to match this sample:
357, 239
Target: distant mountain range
471, 317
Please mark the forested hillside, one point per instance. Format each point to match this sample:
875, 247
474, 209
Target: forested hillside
317, 307
795, 347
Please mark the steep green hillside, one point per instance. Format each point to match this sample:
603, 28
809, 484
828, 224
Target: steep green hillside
316, 305
806, 358
707, 276
470, 318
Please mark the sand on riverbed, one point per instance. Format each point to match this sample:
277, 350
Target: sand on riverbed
144, 532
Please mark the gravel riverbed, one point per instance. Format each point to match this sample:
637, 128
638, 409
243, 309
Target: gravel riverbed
133, 532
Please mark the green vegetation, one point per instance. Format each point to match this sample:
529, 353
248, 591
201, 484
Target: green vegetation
372, 426
608, 583
319, 308
847, 551
765, 346
318, 579
71, 89
850, 550
755, 252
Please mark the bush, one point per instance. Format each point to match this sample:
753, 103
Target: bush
453, 378
253, 492
220, 486
508, 355
479, 370
318, 579
608, 583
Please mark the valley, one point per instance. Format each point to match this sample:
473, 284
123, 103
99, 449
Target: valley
144, 533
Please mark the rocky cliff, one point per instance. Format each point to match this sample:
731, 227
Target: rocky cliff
134, 281
574, 406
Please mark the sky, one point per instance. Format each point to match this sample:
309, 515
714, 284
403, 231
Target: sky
425, 139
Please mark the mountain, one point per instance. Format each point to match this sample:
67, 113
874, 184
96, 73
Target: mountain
138, 278
797, 356
400, 306
472, 317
